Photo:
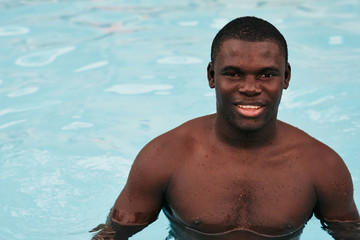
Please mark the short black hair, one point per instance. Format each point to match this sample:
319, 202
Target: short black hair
251, 29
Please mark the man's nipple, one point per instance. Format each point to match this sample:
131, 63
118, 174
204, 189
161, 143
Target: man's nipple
196, 222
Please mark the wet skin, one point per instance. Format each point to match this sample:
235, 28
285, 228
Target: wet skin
239, 173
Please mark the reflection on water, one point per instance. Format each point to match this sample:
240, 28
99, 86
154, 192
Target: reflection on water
23, 91
92, 66
179, 60
137, 88
13, 30
12, 123
42, 58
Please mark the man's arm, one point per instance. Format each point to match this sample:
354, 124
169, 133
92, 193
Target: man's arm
335, 203
141, 200
115, 231
341, 230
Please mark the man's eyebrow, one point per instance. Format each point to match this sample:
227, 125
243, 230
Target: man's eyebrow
237, 69
272, 69
231, 68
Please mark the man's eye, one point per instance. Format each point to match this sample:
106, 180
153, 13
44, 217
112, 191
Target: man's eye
266, 75
230, 74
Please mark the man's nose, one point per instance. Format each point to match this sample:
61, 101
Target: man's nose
250, 86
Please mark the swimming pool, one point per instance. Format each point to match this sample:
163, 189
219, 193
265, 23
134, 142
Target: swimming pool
85, 84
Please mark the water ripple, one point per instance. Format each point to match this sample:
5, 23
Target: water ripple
12, 110
219, 23
77, 125
13, 30
138, 88
40, 105
179, 60
106, 163
9, 124
23, 91
42, 58
92, 66
336, 40
188, 23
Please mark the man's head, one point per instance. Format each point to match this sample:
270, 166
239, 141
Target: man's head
250, 29
249, 71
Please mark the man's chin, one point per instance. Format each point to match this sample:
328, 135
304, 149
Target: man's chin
249, 126
249, 129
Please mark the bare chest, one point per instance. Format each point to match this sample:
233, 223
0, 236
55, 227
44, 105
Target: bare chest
216, 196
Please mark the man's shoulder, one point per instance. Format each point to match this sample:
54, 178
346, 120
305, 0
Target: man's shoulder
301, 137
182, 139
316, 154
194, 129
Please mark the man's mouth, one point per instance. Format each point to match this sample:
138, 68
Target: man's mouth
250, 111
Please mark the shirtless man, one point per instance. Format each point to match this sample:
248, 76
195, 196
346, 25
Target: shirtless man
239, 174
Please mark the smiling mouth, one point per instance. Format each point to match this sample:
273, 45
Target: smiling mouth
250, 111
249, 106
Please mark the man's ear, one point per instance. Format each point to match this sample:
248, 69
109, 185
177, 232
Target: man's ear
287, 76
211, 75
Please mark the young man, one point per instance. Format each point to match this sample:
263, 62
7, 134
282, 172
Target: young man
239, 174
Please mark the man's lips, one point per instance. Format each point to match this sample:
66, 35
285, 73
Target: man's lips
250, 110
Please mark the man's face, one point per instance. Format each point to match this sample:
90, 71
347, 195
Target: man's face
248, 78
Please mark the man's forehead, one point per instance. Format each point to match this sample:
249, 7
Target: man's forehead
239, 47
249, 49
233, 44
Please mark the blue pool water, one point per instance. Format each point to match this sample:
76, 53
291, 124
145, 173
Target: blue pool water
85, 84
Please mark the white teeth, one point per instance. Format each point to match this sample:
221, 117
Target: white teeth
249, 106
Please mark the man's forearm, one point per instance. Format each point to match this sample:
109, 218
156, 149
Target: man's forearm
115, 231
105, 232
342, 230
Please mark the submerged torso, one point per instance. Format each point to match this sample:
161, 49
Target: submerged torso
180, 231
221, 192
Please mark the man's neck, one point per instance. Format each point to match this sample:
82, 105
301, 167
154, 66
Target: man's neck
232, 136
